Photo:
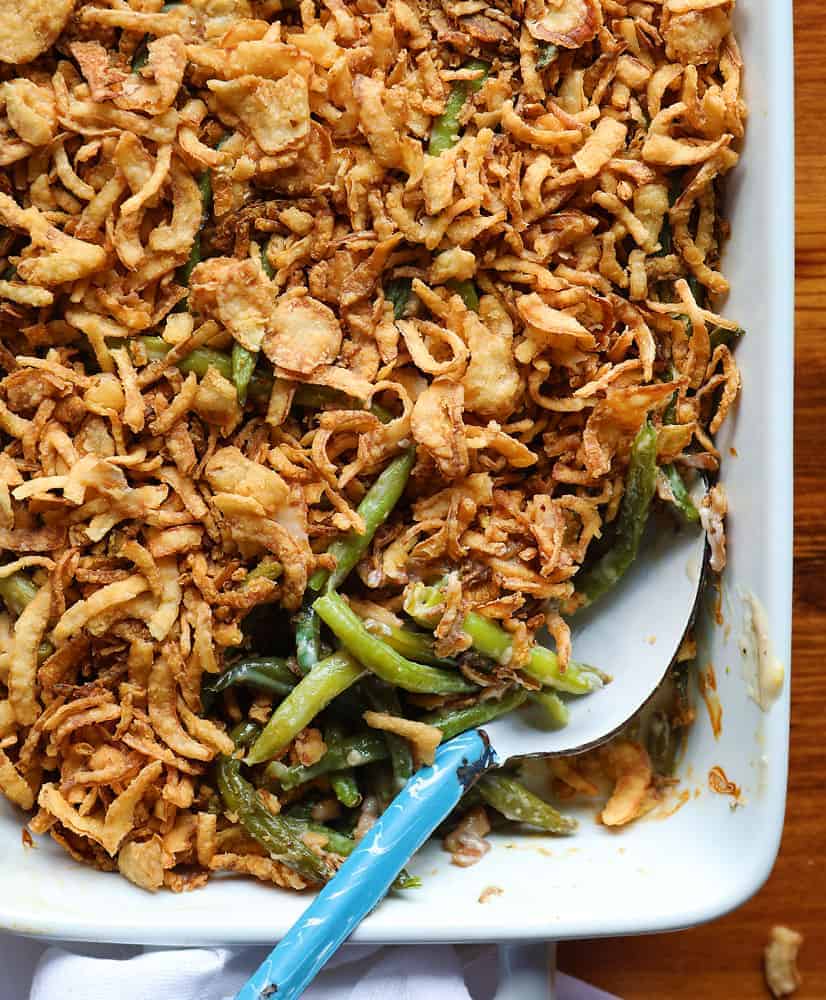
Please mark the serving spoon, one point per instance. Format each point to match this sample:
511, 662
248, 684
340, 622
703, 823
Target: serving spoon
633, 633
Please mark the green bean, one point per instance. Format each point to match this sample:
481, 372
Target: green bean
697, 290
548, 53
269, 674
341, 844
670, 411
302, 809
681, 498
314, 397
444, 132
470, 799
404, 880
268, 569
245, 733
214, 805
273, 833
494, 642
198, 361
374, 509
348, 707
202, 359
383, 698
474, 86
467, 292
17, 591
411, 643
344, 784
346, 788
311, 695
140, 56
397, 291
640, 483
517, 803
380, 658
720, 335
355, 751
337, 843
205, 187
381, 783
265, 261
243, 367
307, 639
453, 721
554, 710
185, 272
663, 743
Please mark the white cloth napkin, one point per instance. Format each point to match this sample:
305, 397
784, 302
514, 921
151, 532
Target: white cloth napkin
440, 972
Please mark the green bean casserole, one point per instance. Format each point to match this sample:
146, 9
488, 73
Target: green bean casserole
346, 346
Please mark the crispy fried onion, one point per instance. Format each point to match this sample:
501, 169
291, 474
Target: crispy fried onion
438, 427
423, 738
110, 829
62, 258
627, 764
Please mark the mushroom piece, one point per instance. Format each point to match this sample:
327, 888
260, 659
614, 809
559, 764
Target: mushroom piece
568, 24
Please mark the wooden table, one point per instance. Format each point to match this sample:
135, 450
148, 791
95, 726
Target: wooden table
723, 959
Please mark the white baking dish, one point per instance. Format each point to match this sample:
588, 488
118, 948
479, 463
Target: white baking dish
660, 873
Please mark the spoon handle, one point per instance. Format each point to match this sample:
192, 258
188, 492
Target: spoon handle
368, 873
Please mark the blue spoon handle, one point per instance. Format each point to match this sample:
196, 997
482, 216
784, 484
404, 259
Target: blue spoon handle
368, 873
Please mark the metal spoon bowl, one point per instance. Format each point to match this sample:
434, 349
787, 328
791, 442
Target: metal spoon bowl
633, 634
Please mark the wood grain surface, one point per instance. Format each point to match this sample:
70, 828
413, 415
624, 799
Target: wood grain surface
723, 959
